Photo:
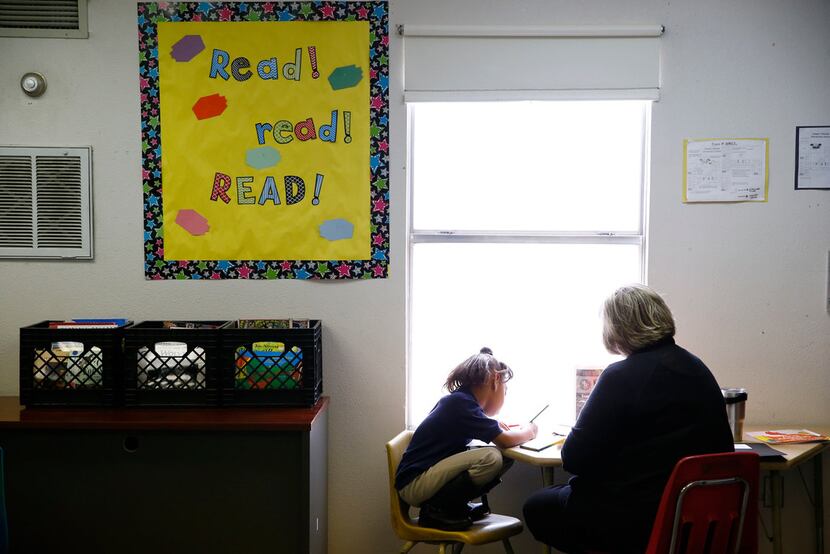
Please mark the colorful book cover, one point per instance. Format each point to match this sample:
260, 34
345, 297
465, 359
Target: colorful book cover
788, 436
586, 379
264, 323
269, 365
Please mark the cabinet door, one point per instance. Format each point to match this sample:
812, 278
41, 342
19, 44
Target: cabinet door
177, 492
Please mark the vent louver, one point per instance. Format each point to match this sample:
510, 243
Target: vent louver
59, 216
43, 18
16, 223
45, 203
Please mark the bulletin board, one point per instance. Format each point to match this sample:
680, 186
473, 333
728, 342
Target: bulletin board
264, 132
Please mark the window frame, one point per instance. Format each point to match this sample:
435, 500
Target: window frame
458, 236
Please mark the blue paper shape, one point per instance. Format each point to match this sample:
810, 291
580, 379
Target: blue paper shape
336, 229
262, 157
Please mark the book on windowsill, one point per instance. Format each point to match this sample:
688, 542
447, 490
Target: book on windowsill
788, 436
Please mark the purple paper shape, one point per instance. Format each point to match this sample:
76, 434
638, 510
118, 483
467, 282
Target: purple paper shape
187, 48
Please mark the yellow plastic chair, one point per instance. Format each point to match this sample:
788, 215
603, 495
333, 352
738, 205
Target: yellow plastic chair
490, 529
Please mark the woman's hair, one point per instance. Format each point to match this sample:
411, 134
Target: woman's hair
478, 370
635, 316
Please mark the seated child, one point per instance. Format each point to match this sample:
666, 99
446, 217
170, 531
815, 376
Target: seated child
438, 472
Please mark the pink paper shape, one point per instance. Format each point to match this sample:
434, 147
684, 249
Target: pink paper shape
193, 222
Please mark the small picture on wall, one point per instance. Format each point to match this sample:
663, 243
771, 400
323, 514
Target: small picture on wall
812, 158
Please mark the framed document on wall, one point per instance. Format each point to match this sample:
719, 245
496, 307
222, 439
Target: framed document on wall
812, 158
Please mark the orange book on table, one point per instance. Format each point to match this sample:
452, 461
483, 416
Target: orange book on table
788, 436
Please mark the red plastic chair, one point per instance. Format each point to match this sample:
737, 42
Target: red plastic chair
709, 506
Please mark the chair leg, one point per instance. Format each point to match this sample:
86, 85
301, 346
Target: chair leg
507, 546
442, 548
407, 547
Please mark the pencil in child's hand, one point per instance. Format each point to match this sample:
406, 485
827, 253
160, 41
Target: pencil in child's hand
540, 412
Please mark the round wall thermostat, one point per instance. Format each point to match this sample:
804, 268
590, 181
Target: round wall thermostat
33, 84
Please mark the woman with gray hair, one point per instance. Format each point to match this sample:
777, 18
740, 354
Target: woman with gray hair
658, 405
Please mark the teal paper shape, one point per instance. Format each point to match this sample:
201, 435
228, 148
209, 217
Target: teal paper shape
262, 157
336, 229
345, 77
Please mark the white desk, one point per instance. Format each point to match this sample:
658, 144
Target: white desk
547, 460
795, 455
551, 458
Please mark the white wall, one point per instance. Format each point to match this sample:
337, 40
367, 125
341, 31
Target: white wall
746, 282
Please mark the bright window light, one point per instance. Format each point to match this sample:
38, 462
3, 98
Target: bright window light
525, 215
513, 166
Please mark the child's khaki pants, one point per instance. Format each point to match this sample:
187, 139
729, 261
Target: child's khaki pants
484, 464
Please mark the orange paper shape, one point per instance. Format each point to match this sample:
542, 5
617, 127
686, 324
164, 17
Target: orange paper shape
210, 106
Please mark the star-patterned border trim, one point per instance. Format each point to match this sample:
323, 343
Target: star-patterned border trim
377, 14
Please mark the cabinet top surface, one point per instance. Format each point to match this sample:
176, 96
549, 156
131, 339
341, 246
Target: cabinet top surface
14, 416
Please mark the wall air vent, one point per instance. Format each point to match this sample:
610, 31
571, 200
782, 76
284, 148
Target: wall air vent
43, 18
45, 202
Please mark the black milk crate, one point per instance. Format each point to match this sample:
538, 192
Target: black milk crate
272, 367
71, 367
172, 366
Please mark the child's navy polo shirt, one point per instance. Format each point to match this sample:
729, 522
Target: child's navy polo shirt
454, 421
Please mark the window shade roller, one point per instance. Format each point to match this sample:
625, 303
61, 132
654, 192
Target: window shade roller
527, 59
595, 31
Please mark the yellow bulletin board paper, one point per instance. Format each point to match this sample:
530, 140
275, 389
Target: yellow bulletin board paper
726, 170
274, 140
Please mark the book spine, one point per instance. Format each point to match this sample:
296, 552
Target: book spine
82, 326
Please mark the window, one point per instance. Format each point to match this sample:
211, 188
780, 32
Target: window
524, 216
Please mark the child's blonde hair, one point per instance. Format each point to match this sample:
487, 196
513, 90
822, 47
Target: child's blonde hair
478, 370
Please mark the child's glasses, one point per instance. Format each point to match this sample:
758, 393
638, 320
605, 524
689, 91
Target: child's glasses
505, 373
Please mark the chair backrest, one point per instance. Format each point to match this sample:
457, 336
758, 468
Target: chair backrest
709, 506
399, 509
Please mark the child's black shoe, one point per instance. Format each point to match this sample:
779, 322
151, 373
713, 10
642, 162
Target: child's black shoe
478, 510
447, 520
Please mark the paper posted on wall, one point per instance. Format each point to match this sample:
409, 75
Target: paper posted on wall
725, 170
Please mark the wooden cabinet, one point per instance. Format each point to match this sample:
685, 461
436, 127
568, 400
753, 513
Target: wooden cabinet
235, 481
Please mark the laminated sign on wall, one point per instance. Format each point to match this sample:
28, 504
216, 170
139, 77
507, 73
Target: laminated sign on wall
265, 139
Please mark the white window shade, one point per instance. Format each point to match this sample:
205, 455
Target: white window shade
531, 63
575, 167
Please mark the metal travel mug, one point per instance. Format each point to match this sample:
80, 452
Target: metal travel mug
735, 400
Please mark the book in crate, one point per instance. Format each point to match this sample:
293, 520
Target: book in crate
272, 362
72, 362
89, 323
172, 363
